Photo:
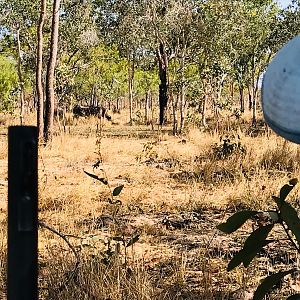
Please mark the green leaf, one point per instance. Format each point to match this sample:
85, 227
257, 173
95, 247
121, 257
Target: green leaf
258, 235
103, 180
285, 190
268, 283
133, 240
236, 260
254, 243
251, 252
118, 190
294, 297
236, 221
289, 215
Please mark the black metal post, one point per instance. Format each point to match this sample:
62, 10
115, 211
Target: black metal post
22, 270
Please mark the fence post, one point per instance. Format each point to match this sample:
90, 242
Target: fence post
22, 270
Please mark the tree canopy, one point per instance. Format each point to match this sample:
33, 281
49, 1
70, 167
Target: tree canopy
109, 50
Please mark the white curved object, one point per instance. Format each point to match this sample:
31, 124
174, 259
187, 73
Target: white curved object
281, 92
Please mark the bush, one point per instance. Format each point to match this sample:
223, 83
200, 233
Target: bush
228, 146
286, 217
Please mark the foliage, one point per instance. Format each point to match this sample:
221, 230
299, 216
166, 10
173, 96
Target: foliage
228, 145
284, 215
210, 46
8, 84
149, 152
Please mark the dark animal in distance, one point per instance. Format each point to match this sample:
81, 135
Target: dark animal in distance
87, 111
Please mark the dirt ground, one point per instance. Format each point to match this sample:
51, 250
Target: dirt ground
175, 192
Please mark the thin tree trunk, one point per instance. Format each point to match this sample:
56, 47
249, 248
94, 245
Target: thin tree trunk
20, 75
147, 98
174, 108
250, 100
183, 105
242, 100
204, 107
163, 86
183, 102
39, 72
152, 110
254, 97
49, 113
92, 96
130, 88
232, 90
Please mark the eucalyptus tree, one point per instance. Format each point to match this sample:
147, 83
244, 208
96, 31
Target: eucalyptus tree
50, 76
20, 18
8, 84
78, 38
101, 76
287, 25
170, 23
39, 70
121, 24
209, 49
235, 42
146, 84
259, 51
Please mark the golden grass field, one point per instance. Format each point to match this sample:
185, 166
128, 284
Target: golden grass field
176, 190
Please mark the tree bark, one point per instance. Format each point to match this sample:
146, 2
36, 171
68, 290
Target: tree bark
147, 98
183, 108
163, 76
20, 75
183, 102
254, 120
39, 72
250, 102
204, 104
242, 100
174, 107
130, 87
49, 113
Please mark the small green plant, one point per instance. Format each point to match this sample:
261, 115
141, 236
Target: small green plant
285, 216
228, 145
148, 153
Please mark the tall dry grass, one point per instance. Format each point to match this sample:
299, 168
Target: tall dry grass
181, 175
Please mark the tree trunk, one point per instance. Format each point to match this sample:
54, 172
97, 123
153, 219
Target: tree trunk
254, 111
174, 108
49, 113
183, 102
254, 97
242, 100
147, 98
204, 104
182, 109
254, 94
93, 95
232, 90
163, 76
250, 100
39, 72
130, 88
20, 75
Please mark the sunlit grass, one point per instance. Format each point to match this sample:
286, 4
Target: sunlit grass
184, 175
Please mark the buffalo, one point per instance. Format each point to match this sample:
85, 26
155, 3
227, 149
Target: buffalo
87, 111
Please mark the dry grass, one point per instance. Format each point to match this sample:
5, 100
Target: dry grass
162, 176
